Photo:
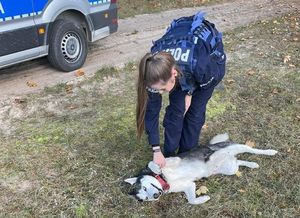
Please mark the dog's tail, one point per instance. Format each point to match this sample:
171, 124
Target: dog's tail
219, 138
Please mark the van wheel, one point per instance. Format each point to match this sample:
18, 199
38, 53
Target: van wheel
67, 46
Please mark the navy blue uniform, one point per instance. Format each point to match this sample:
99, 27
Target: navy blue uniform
182, 131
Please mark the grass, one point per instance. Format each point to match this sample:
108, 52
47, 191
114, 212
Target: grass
129, 8
74, 146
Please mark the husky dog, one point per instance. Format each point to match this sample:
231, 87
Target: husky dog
181, 171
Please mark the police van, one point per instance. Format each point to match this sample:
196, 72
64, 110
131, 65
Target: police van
60, 29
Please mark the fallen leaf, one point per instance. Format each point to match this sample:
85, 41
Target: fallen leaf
205, 126
72, 106
134, 67
286, 58
250, 143
298, 99
79, 73
292, 65
275, 91
230, 81
242, 190
202, 190
69, 88
238, 173
31, 84
251, 72
293, 25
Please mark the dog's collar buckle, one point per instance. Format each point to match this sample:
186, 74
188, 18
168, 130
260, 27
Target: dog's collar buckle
163, 182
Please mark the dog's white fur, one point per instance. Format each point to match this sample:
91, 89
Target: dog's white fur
181, 173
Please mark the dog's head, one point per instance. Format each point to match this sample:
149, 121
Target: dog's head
145, 188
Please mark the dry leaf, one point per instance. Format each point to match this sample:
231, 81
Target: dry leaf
238, 173
251, 72
298, 118
230, 81
275, 91
69, 88
250, 143
79, 72
242, 190
202, 190
72, 106
286, 58
134, 67
298, 99
205, 126
293, 25
31, 84
292, 65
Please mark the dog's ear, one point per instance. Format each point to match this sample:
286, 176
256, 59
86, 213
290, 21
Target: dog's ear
131, 181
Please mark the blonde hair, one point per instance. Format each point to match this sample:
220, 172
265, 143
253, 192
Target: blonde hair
152, 69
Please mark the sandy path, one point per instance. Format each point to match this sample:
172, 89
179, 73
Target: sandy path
134, 38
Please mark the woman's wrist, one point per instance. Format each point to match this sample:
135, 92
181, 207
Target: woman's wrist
155, 148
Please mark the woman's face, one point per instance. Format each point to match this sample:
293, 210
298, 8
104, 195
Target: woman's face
166, 86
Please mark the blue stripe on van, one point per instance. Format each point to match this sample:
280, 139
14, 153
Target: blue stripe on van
15, 9
93, 2
11, 8
38, 5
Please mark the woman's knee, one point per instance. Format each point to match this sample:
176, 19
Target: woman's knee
173, 116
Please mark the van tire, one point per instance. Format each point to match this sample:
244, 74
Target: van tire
68, 46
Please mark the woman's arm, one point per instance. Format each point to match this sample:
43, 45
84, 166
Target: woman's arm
152, 117
152, 126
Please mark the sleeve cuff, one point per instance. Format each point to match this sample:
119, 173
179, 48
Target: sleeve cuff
153, 139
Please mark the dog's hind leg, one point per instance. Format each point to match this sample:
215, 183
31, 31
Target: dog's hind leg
190, 191
240, 148
247, 164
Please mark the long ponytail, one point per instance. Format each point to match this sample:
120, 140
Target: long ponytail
142, 96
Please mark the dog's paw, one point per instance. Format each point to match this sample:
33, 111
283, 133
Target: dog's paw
253, 165
271, 152
200, 200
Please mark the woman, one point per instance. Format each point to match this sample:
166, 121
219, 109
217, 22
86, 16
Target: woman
189, 93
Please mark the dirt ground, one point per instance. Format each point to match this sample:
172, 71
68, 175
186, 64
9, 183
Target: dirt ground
133, 39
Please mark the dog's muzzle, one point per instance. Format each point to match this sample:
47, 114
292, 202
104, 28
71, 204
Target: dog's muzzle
157, 195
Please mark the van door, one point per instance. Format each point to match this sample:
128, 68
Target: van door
41, 28
18, 33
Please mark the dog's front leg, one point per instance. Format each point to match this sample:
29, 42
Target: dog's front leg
190, 191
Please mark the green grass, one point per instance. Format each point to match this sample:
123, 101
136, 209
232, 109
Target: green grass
70, 156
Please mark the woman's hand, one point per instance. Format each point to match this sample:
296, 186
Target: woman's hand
159, 158
188, 100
